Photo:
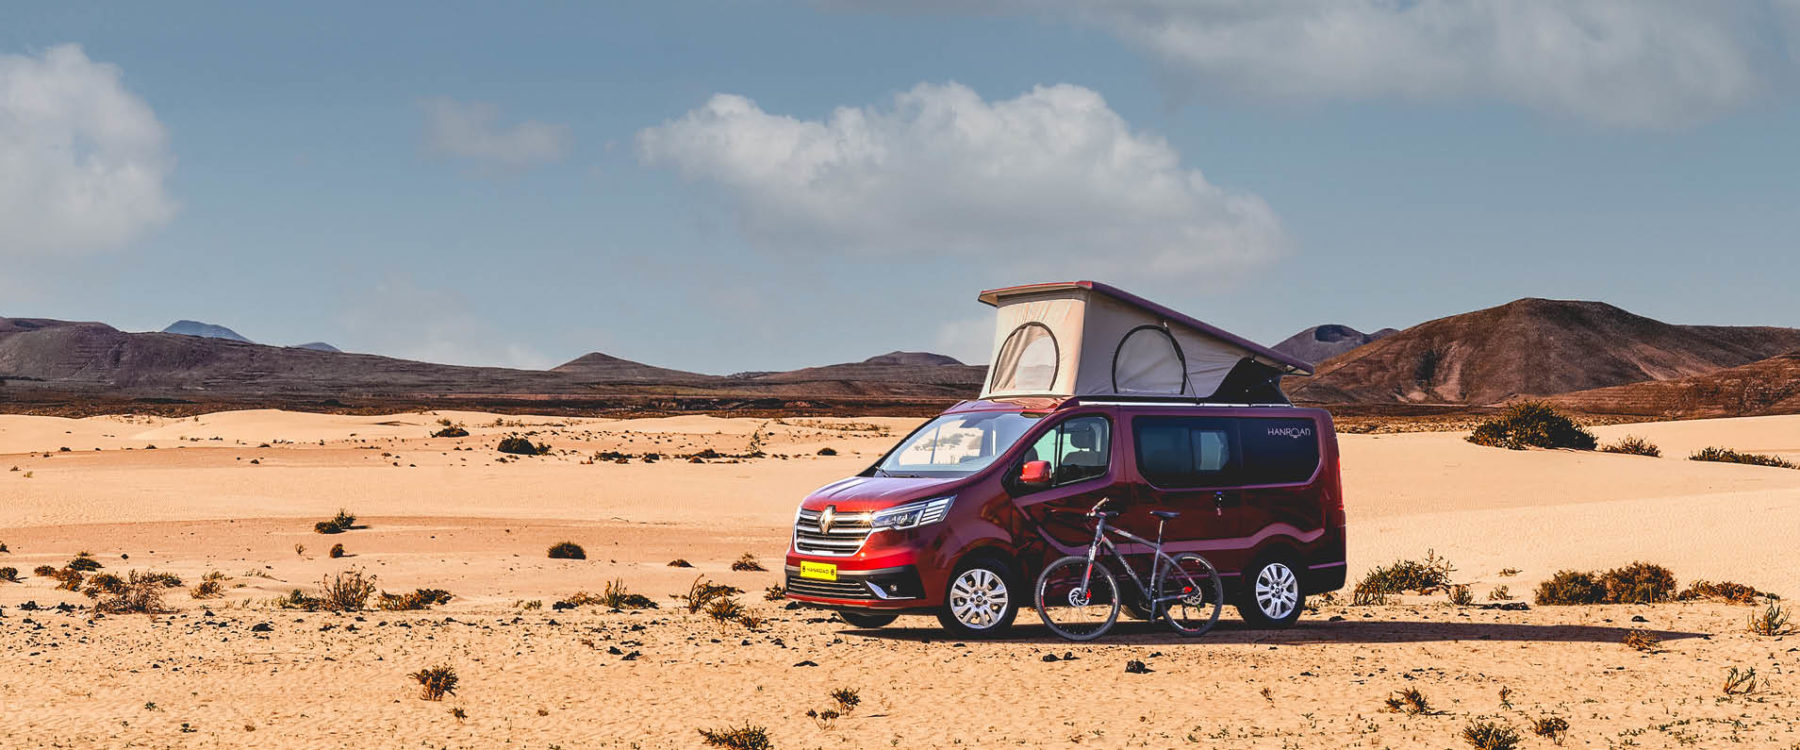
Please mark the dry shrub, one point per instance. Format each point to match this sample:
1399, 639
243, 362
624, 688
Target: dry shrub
66, 579
1500, 594
1408, 701
579, 599
1490, 735
1741, 682
847, 699
1770, 620
1553, 728
301, 600
451, 431
1532, 424
348, 591
748, 563
680, 563
141, 593
1421, 576
1727, 455
617, 597
521, 446
1633, 445
1642, 640
337, 551
703, 592
1570, 587
436, 682
746, 737
775, 593
567, 551
752, 622
212, 586
103, 583
338, 524
84, 562
1638, 583
10, 575
418, 599
1508, 572
44, 571
1735, 593
725, 609
1461, 595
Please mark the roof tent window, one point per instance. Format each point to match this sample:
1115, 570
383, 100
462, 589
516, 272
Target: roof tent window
1027, 361
1148, 361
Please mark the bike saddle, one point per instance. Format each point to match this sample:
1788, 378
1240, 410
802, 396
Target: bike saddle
1166, 515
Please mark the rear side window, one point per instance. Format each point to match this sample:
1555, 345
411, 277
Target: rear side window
1184, 452
1278, 451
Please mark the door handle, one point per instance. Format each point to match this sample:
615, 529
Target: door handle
1218, 503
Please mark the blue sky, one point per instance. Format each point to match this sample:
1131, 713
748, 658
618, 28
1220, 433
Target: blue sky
762, 185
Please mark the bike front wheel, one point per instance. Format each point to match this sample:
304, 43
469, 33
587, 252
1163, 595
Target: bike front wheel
1189, 594
1078, 599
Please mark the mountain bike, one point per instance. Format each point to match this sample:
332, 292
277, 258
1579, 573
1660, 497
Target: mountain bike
1078, 597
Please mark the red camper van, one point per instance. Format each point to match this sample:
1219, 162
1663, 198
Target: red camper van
1093, 393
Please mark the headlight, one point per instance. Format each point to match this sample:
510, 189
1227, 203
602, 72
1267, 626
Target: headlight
912, 515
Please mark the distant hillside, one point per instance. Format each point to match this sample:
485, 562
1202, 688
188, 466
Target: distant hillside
931, 373
1532, 347
607, 368
1321, 343
1768, 386
318, 346
204, 330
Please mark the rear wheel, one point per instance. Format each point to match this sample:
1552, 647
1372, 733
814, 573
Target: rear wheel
980, 601
867, 619
1271, 597
1197, 594
1078, 599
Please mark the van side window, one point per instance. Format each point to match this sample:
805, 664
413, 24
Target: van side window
1279, 451
1182, 452
1078, 449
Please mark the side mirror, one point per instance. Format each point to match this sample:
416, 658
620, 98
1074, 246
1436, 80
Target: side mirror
1035, 473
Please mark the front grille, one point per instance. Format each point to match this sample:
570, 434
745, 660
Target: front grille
848, 530
843, 589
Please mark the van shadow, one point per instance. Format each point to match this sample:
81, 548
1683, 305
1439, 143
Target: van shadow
1307, 632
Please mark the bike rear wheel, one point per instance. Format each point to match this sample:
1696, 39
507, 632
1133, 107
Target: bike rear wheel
1077, 599
1189, 594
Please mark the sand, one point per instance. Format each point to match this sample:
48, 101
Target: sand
237, 493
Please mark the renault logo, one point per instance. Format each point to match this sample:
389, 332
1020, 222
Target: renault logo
826, 518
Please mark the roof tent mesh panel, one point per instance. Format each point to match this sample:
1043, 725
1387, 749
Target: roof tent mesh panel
1147, 363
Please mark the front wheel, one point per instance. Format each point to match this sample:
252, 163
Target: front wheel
1189, 594
980, 602
1078, 599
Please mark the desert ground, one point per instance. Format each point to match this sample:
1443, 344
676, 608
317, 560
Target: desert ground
239, 493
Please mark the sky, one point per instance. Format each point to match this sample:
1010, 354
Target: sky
733, 186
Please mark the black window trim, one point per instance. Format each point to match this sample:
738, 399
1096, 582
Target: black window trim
1012, 475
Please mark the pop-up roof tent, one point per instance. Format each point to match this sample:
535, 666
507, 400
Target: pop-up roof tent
1084, 338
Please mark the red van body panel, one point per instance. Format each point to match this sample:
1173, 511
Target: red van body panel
1232, 525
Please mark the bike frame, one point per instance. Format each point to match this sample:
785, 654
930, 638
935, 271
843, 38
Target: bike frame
1156, 566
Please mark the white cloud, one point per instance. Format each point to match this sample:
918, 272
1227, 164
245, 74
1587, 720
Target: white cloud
968, 339
82, 159
1630, 63
472, 131
1052, 180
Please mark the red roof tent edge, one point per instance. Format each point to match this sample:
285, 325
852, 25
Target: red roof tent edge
992, 297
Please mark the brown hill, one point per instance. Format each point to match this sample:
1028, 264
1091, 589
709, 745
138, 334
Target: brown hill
1320, 343
914, 372
1769, 386
1532, 347
599, 367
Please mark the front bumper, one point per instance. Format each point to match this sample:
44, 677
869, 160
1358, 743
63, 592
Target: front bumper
880, 588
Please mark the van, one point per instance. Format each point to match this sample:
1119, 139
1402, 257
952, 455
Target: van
958, 519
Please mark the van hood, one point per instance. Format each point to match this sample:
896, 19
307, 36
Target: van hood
877, 493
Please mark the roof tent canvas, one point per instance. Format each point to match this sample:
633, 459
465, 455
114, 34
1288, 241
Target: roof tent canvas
1084, 338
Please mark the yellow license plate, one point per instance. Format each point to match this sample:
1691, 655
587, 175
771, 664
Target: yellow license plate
820, 571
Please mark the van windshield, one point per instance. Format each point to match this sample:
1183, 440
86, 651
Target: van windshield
955, 445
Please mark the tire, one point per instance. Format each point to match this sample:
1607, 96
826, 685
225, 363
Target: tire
1197, 611
1270, 597
867, 620
981, 599
1077, 600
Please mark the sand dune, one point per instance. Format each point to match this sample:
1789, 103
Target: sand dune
446, 513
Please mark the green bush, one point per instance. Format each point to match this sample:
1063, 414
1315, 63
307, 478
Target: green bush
1532, 424
1421, 576
1727, 455
1633, 445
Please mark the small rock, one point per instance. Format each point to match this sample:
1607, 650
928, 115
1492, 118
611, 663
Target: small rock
1050, 657
261, 627
807, 663
1136, 667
